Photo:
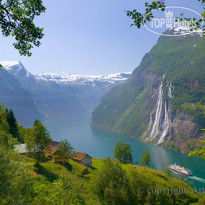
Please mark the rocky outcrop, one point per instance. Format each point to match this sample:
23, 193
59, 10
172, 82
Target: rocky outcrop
184, 130
165, 125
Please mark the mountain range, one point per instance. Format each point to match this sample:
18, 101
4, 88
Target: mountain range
48, 95
164, 100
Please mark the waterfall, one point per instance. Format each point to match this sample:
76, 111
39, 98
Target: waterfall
159, 126
170, 91
156, 126
150, 125
165, 124
151, 120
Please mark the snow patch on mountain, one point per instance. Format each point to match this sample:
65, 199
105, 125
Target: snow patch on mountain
187, 30
83, 79
15, 67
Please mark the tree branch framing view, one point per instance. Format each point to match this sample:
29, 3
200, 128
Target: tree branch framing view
141, 18
17, 20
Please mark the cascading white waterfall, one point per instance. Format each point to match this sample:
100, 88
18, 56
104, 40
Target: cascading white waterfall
151, 120
150, 125
156, 126
159, 127
165, 124
170, 91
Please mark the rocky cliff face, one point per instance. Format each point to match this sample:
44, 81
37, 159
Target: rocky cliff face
165, 125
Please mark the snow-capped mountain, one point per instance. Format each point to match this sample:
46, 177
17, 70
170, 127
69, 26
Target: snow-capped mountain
49, 95
17, 68
83, 79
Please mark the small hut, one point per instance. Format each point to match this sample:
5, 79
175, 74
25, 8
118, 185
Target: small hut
81, 158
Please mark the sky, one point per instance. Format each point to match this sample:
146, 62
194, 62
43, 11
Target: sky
88, 37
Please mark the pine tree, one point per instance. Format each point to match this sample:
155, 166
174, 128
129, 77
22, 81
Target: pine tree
13, 125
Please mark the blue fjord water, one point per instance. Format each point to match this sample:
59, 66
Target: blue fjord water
100, 144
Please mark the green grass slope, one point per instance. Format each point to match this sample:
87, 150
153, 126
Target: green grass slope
57, 184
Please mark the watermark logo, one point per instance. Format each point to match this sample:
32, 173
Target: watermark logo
171, 190
174, 21
169, 18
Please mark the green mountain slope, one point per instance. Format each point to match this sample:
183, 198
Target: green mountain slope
137, 109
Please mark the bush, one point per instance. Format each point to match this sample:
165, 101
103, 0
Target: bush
111, 184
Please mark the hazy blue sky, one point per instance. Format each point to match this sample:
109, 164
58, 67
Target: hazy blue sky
88, 37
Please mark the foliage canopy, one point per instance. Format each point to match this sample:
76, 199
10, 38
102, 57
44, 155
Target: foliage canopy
201, 152
64, 148
123, 152
146, 158
38, 141
141, 18
17, 20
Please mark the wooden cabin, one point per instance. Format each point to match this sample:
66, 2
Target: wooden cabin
50, 151
81, 158
58, 159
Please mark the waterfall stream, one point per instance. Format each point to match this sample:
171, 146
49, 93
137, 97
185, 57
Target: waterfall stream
165, 124
159, 127
156, 125
170, 90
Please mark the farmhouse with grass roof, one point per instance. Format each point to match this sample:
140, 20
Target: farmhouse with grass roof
81, 158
